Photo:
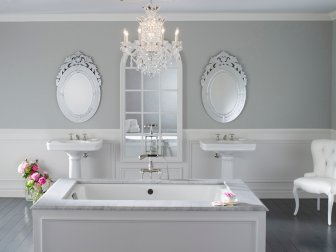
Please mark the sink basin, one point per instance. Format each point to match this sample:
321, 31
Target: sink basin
75, 145
226, 149
75, 150
227, 146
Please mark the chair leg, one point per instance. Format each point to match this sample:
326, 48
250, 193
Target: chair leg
330, 205
296, 197
318, 202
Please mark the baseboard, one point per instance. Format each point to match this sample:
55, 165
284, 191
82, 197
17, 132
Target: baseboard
14, 193
333, 134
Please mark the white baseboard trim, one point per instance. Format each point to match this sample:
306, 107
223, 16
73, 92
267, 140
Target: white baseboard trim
14, 193
282, 194
12, 188
333, 134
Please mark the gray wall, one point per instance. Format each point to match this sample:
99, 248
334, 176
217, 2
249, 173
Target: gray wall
288, 66
333, 107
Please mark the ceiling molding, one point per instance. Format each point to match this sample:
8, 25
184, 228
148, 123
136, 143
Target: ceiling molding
333, 15
170, 17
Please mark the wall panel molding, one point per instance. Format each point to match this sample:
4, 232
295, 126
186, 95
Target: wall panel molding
281, 156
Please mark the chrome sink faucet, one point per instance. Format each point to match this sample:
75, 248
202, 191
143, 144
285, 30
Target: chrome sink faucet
73, 136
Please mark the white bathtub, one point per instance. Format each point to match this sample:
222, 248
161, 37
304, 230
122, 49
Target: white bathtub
171, 192
161, 216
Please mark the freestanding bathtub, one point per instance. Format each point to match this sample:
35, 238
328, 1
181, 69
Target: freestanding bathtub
148, 216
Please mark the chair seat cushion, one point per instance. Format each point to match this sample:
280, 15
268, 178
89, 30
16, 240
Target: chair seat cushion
316, 184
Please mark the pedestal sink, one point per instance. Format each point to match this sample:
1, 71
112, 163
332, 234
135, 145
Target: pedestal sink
75, 150
226, 149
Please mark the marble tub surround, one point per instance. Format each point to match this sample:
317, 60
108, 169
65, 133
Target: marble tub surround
65, 224
59, 197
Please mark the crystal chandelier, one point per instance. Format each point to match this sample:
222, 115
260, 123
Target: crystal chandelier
151, 52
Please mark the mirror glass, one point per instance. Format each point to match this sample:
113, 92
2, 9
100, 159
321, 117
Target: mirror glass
223, 88
78, 88
78, 83
223, 83
146, 101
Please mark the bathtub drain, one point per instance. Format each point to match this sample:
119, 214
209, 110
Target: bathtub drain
74, 196
150, 191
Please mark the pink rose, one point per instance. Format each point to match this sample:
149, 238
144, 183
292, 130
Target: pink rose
42, 181
35, 176
35, 167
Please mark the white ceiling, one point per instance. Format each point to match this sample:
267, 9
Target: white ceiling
167, 6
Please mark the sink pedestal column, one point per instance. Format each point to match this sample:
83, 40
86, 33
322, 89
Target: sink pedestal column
75, 165
227, 167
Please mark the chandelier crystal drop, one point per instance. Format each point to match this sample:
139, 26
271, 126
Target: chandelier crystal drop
151, 52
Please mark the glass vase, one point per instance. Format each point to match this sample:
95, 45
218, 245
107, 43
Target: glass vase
28, 194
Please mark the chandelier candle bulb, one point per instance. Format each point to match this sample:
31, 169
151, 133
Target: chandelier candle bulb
162, 35
177, 31
125, 36
139, 34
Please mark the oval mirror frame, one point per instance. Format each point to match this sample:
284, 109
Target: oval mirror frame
78, 63
223, 63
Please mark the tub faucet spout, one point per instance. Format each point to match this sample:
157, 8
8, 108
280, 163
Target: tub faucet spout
143, 156
150, 168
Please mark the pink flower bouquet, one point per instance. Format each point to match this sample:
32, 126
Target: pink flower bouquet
37, 181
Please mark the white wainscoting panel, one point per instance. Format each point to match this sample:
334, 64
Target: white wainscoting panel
281, 156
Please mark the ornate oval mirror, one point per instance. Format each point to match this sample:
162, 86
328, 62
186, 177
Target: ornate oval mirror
78, 88
223, 88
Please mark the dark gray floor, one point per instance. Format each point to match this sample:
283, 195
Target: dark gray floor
306, 232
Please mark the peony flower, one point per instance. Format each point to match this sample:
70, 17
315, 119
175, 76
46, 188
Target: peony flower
42, 180
35, 176
22, 167
35, 167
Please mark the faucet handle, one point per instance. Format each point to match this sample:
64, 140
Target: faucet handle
218, 135
70, 136
232, 136
84, 136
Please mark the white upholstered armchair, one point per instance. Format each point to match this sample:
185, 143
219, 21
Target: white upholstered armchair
323, 179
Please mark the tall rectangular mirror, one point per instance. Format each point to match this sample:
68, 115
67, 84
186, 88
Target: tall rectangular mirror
151, 101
